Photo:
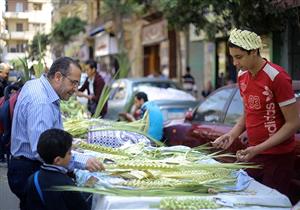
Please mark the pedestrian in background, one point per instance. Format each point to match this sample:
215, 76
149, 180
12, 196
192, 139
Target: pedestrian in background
270, 114
37, 109
188, 82
54, 148
207, 89
221, 81
94, 85
142, 105
4, 73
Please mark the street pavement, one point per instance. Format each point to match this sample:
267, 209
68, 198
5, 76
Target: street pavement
8, 201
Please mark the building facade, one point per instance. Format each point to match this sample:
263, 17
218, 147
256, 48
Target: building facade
23, 19
3, 33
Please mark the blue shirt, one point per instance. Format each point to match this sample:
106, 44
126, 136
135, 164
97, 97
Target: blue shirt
37, 109
156, 119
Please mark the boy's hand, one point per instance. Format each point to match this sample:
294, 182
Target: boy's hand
93, 164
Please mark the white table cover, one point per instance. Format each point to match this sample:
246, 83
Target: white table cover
257, 196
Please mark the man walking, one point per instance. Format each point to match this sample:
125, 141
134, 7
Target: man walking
94, 85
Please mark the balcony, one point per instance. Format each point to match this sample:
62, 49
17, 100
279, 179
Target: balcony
21, 35
38, 1
43, 17
13, 56
15, 15
4, 35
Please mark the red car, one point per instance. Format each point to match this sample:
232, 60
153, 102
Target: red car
215, 116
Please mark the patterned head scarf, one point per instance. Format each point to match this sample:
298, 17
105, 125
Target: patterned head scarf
245, 39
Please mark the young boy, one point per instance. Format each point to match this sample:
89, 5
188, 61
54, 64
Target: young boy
54, 147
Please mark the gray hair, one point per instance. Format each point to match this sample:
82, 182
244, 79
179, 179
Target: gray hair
61, 65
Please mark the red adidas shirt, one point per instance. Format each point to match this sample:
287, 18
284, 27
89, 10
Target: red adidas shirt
263, 95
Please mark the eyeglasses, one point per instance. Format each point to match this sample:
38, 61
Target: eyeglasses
75, 83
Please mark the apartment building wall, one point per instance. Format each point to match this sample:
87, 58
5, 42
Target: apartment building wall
25, 18
17, 5
3, 35
17, 25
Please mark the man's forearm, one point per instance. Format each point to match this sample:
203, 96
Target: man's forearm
239, 127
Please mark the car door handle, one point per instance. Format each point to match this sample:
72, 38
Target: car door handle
203, 132
198, 132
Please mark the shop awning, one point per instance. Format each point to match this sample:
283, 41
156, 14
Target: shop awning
97, 30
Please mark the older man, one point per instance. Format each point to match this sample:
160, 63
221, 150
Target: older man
37, 109
4, 72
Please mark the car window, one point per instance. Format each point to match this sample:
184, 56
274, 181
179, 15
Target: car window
297, 94
154, 84
118, 91
235, 110
212, 109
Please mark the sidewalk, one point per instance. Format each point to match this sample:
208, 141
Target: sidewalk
8, 201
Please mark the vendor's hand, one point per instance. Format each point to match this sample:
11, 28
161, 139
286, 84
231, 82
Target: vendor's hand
93, 164
246, 154
127, 116
223, 141
123, 114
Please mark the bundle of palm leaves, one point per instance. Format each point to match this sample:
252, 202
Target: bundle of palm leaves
162, 171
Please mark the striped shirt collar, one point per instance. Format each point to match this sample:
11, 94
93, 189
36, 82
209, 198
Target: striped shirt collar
57, 168
53, 97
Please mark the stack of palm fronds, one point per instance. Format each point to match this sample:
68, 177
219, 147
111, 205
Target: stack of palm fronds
79, 127
73, 109
162, 171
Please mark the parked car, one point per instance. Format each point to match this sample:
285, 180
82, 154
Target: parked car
215, 116
175, 109
123, 91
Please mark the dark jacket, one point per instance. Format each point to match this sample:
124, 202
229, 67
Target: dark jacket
3, 84
98, 87
48, 177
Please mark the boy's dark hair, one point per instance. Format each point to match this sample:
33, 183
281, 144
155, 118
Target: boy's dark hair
52, 143
62, 65
142, 95
231, 45
92, 64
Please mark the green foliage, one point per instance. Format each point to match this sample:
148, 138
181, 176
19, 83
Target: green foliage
37, 52
64, 30
261, 16
38, 46
214, 16
38, 69
121, 8
26, 70
21, 64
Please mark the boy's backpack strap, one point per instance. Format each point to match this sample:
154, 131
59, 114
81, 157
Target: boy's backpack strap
37, 186
12, 102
